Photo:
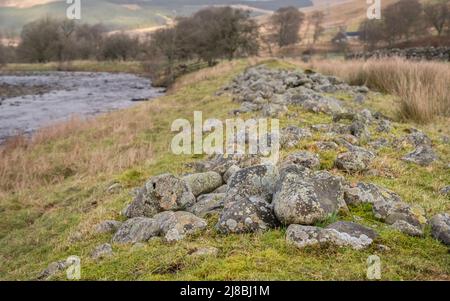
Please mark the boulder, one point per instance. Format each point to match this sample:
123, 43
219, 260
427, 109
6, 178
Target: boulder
174, 226
201, 183
258, 180
161, 193
348, 234
292, 135
423, 155
440, 228
303, 236
369, 193
230, 172
355, 160
304, 200
246, 215
138, 229
207, 204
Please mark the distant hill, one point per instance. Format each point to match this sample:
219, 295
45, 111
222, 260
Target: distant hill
123, 14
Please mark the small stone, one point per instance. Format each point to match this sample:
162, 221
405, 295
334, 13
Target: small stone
102, 251
52, 269
138, 229
108, 226
303, 158
303, 236
205, 251
422, 155
440, 228
356, 160
445, 191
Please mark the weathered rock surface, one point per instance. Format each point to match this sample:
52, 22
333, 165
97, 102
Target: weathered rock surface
161, 193
303, 158
292, 135
137, 229
445, 191
355, 160
307, 200
245, 215
52, 269
207, 204
341, 234
102, 251
423, 155
440, 228
201, 183
174, 226
369, 193
205, 251
259, 180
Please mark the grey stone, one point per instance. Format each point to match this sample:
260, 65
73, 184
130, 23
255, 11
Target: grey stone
247, 215
205, 251
201, 183
356, 160
259, 180
369, 193
102, 251
349, 234
174, 226
304, 200
207, 204
303, 236
422, 155
303, 158
445, 191
52, 269
440, 228
292, 135
160, 193
138, 229
230, 172
108, 226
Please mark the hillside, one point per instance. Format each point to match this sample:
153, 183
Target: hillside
56, 190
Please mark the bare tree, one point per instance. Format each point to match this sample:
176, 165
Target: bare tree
317, 19
402, 19
119, 46
371, 32
340, 40
437, 14
286, 23
2, 53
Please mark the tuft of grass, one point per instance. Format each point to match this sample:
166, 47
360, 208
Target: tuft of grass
422, 88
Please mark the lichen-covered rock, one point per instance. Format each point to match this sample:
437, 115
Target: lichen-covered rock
108, 226
440, 228
292, 135
415, 138
259, 180
341, 234
52, 269
369, 193
221, 163
304, 200
273, 109
355, 160
303, 158
303, 236
205, 251
327, 145
102, 251
174, 226
230, 172
161, 193
384, 126
423, 155
207, 204
138, 229
201, 183
250, 214
349, 234
445, 191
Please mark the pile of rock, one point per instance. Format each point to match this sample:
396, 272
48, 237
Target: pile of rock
415, 53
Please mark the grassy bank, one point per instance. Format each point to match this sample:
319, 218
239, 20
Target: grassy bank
54, 189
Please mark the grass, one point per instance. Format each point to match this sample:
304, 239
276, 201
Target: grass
54, 190
422, 88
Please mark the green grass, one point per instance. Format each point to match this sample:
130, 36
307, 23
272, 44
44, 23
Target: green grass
45, 223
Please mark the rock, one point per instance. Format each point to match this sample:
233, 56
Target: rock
108, 226
201, 183
161, 193
422, 155
323, 104
205, 251
259, 180
379, 143
174, 226
273, 110
369, 193
221, 189
221, 163
303, 236
349, 234
138, 229
384, 126
303, 158
52, 269
245, 215
360, 130
114, 188
230, 172
327, 145
407, 228
445, 191
360, 98
440, 228
415, 138
304, 200
207, 204
292, 135
102, 251
356, 160
340, 234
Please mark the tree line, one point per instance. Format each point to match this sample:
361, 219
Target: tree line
406, 19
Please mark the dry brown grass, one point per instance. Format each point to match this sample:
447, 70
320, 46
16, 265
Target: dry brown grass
78, 147
423, 88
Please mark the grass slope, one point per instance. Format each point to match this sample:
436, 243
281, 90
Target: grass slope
48, 213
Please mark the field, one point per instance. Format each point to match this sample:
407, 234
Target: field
54, 190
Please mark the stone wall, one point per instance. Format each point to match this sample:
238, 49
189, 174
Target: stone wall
416, 53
